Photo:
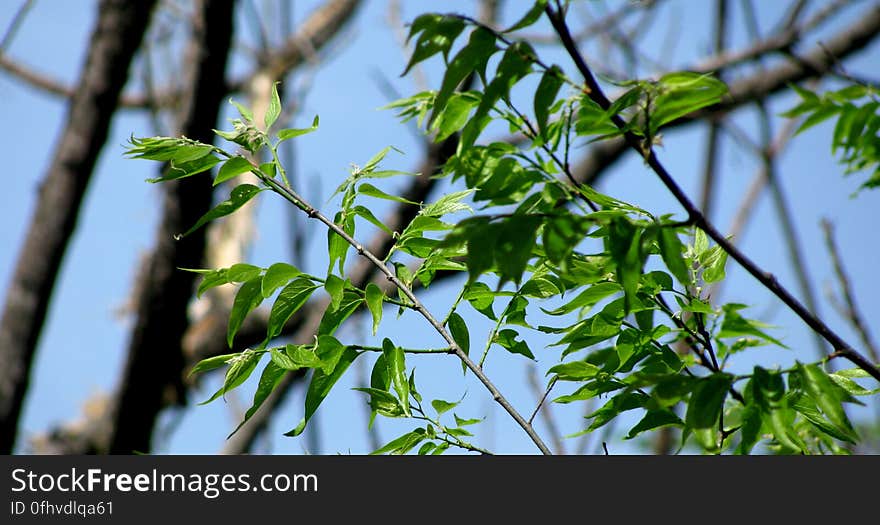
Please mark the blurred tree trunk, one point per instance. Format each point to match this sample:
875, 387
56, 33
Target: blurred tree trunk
152, 376
114, 41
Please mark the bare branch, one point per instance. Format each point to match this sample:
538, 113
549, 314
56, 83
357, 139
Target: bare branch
852, 312
114, 41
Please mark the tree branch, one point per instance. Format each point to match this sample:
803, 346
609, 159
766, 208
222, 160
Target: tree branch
114, 41
698, 219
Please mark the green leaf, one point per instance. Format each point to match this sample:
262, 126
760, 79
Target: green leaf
513, 246
382, 402
473, 56
273, 111
395, 359
374, 297
443, 406
243, 111
372, 191
282, 360
212, 363
750, 429
403, 444
291, 299
246, 299
682, 93
287, 134
707, 401
672, 250
269, 379
529, 18
481, 298
232, 168
827, 395
305, 356
351, 301
851, 386
337, 246
575, 371
514, 65
239, 196
179, 170
623, 402
379, 377
735, 325
625, 247
328, 350
654, 419
507, 339
713, 261
320, 386
449, 203
437, 35
587, 299
335, 287
459, 331
240, 368
277, 275
211, 279
241, 272
545, 94
365, 213
465, 422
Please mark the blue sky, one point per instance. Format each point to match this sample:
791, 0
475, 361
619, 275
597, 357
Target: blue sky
82, 348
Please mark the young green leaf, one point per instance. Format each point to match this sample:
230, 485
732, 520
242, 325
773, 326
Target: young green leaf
507, 339
545, 94
335, 287
472, 57
240, 368
278, 275
287, 134
374, 297
232, 168
320, 386
672, 250
395, 359
273, 111
291, 299
269, 379
212, 363
707, 401
246, 299
239, 196
531, 16
241, 272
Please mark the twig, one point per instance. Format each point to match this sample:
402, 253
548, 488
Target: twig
697, 218
17, 20
552, 428
852, 312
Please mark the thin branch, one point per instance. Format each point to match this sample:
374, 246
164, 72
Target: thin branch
698, 219
853, 314
546, 413
712, 144
17, 21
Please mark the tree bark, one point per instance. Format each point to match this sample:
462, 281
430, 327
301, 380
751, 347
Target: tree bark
152, 376
114, 41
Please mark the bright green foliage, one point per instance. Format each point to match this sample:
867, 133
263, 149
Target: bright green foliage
856, 138
625, 290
